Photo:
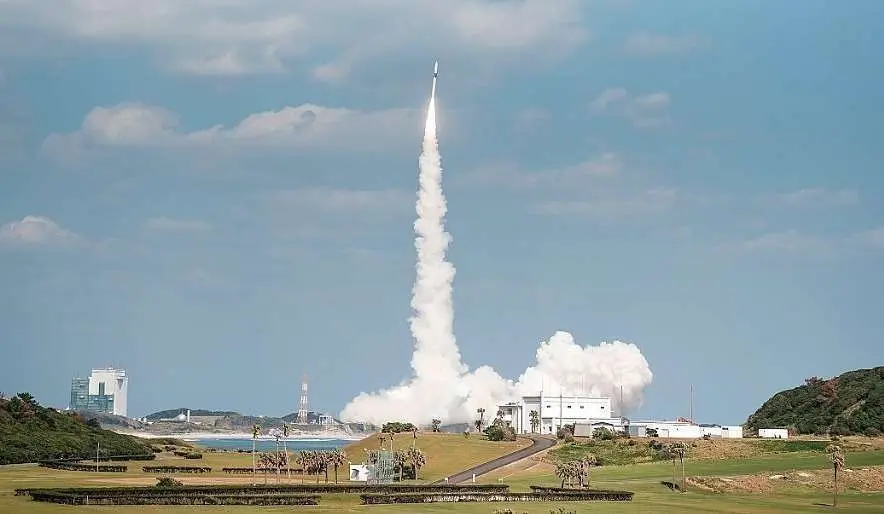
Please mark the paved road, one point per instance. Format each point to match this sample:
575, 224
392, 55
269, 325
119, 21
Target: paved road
540, 444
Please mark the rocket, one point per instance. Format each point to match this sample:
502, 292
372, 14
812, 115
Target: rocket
435, 76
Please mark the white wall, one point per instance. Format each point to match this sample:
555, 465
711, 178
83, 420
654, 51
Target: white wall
773, 433
732, 432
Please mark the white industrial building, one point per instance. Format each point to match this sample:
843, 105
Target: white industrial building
773, 433
106, 390
111, 382
588, 414
553, 412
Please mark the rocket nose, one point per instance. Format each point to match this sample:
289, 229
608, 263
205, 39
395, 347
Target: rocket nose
436, 67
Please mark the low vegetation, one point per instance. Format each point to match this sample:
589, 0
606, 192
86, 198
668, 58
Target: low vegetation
32, 433
852, 403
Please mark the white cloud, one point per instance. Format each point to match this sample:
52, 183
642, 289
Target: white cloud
650, 202
509, 175
307, 125
786, 241
643, 111
36, 231
163, 224
818, 197
872, 238
346, 201
243, 36
644, 43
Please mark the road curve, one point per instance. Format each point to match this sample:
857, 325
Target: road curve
540, 443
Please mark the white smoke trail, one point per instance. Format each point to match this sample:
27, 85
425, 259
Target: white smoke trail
442, 386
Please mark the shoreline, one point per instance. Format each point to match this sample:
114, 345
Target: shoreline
195, 436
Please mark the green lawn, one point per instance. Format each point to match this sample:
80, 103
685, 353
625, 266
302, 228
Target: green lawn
643, 479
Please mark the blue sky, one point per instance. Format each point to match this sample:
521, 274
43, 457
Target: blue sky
218, 195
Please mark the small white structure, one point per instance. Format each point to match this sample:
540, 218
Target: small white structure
556, 411
359, 473
732, 432
773, 433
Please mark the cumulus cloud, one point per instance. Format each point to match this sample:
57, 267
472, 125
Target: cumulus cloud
644, 43
36, 231
307, 125
231, 37
644, 111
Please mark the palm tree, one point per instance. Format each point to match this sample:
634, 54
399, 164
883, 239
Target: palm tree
667, 451
535, 420
267, 462
481, 421
401, 459
436, 423
418, 460
678, 451
585, 463
336, 458
837, 458
256, 429
565, 471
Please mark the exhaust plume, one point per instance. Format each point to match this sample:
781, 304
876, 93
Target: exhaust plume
442, 386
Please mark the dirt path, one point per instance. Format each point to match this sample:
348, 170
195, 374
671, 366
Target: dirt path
540, 444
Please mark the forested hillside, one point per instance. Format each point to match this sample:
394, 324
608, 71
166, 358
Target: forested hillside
852, 403
30, 433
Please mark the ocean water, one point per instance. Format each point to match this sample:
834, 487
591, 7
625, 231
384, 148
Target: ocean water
270, 444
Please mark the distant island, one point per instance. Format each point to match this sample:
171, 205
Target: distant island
852, 403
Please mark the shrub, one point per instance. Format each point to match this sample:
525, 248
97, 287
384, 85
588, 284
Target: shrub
603, 434
872, 432
193, 455
168, 482
396, 427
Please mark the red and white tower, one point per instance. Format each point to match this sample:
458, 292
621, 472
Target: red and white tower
302, 404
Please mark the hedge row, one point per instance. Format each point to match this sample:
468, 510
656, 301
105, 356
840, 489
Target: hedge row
75, 466
176, 469
107, 458
245, 490
174, 499
575, 495
602, 494
188, 455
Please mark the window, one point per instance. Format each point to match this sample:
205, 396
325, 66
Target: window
602, 407
581, 406
569, 406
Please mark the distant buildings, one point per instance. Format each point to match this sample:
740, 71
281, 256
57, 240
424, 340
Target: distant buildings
106, 390
587, 414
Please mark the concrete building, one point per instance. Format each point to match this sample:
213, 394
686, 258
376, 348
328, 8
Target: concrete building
106, 390
683, 430
773, 433
553, 412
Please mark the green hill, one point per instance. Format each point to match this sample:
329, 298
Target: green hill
852, 403
171, 413
30, 433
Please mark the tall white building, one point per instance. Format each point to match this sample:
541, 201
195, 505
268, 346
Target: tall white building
107, 390
553, 412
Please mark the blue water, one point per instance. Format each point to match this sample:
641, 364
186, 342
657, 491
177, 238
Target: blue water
270, 444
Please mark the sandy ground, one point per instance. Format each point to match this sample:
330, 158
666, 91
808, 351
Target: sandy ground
867, 479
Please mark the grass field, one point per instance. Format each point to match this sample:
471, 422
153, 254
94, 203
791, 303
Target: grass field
643, 479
